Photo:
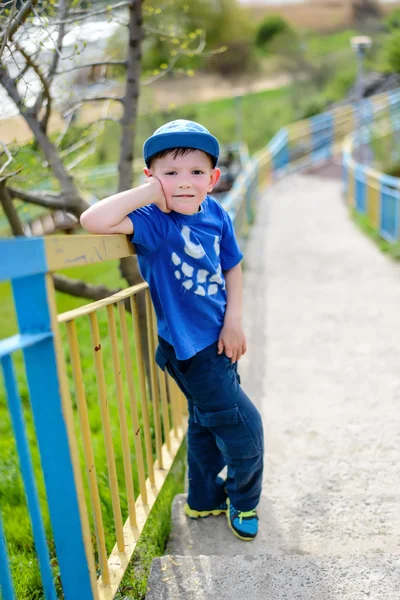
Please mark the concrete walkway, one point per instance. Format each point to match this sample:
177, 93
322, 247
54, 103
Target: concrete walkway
323, 322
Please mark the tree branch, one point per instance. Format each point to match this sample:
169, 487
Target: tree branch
81, 289
77, 105
9, 211
78, 16
41, 76
47, 200
19, 19
7, 32
62, 11
121, 63
9, 157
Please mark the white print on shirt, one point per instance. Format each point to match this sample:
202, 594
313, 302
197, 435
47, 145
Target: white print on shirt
193, 275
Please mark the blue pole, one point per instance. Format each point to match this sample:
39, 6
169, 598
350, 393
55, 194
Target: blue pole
14, 403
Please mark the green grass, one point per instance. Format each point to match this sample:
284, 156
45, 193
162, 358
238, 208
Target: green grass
323, 45
392, 250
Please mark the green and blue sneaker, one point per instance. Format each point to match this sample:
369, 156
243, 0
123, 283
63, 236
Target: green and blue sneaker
200, 514
244, 525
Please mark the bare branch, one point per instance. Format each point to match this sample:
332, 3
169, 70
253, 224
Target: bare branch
10, 211
81, 17
81, 289
45, 199
82, 157
62, 11
68, 118
7, 32
41, 76
9, 175
19, 19
198, 50
164, 72
107, 63
77, 105
9, 157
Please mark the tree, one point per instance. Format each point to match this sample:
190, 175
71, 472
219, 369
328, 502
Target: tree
28, 75
34, 57
269, 28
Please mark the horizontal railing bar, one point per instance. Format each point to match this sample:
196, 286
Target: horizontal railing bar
72, 251
93, 306
20, 341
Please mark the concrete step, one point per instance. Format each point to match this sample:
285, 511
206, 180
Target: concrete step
270, 577
316, 524
323, 455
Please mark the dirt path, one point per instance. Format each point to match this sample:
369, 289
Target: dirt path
176, 92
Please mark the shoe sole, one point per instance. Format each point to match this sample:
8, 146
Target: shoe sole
201, 514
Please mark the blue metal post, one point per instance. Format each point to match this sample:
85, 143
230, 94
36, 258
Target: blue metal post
14, 403
34, 316
6, 585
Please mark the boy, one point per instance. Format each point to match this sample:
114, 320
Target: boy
189, 256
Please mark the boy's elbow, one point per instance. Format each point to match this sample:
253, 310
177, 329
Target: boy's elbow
88, 222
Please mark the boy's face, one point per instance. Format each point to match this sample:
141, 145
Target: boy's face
186, 180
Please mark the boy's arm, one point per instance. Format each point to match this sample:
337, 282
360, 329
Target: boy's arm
232, 338
110, 215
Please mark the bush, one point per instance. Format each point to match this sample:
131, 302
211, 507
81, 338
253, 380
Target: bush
392, 21
270, 28
236, 60
392, 53
314, 107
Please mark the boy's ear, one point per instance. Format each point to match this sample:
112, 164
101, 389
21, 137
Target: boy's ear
214, 176
148, 172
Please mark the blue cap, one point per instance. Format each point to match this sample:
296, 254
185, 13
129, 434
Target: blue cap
181, 134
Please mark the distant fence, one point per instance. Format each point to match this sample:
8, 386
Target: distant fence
305, 142
64, 432
367, 191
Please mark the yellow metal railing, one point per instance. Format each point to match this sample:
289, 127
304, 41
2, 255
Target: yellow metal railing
145, 405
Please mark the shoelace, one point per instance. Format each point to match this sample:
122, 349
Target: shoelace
243, 515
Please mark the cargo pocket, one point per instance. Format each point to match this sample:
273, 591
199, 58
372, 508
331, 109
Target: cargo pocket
231, 432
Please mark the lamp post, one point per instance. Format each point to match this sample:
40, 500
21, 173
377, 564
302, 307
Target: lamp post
360, 44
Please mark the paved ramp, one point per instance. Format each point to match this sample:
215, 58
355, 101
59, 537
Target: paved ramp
323, 322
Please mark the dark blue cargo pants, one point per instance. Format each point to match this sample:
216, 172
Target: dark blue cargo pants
225, 428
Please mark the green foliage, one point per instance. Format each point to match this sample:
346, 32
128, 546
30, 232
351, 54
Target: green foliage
239, 58
270, 28
339, 86
392, 21
392, 52
313, 107
181, 27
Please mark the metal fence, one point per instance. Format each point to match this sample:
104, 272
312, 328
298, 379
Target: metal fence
148, 421
367, 191
54, 367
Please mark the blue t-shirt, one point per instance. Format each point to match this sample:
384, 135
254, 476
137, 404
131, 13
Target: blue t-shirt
182, 258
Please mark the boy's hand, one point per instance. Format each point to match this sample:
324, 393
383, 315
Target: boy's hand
232, 339
159, 196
